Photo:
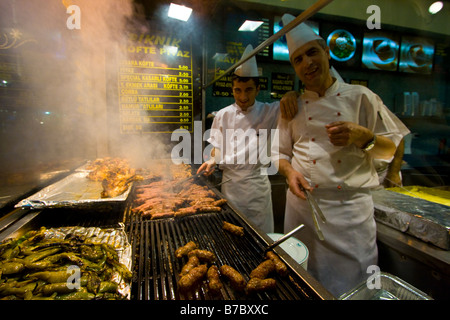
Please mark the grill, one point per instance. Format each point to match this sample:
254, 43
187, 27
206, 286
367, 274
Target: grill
156, 269
154, 265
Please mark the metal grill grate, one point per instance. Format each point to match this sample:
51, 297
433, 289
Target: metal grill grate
156, 269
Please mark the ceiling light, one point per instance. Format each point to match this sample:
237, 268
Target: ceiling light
250, 25
179, 12
435, 7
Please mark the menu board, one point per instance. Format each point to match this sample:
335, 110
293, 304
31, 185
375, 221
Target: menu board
281, 83
155, 82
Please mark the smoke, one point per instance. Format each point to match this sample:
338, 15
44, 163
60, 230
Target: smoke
67, 70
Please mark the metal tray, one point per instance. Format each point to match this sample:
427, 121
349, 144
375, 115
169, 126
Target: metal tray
114, 236
420, 218
391, 288
74, 190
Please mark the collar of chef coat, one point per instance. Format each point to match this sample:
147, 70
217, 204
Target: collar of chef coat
330, 91
239, 109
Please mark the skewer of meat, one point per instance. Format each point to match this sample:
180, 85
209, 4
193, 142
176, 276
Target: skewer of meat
191, 264
237, 281
181, 212
208, 208
257, 285
263, 269
195, 275
219, 202
280, 266
214, 283
233, 229
203, 255
184, 250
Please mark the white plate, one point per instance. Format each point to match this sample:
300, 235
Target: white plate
294, 247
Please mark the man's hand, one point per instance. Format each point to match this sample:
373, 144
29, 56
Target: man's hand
208, 167
294, 179
343, 133
289, 105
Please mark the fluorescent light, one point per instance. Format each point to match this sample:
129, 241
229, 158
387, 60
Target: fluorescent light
250, 25
435, 7
179, 12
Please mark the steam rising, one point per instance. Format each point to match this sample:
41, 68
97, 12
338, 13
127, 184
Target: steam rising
70, 77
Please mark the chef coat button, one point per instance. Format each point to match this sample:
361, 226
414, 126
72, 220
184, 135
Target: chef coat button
338, 94
339, 187
338, 113
314, 161
313, 139
310, 118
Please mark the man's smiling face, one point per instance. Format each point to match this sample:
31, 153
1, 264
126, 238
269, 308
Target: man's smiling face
311, 63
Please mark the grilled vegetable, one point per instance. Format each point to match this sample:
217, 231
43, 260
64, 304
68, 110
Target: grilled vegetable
34, 267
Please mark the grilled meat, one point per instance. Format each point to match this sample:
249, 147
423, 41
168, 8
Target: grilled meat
233, 229
184, 250
237, 281
280, 266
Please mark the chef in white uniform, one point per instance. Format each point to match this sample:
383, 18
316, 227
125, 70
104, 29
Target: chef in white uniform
240, 134
328, 149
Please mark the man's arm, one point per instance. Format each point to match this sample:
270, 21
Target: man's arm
342, 133
289, 105
294, 178
209, 166
393, 178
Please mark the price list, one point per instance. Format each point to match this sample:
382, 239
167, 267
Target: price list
156, 85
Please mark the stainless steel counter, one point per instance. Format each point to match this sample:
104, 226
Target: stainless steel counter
421, 264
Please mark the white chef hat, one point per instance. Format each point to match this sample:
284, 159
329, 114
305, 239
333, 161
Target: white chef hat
298, 36
249, 68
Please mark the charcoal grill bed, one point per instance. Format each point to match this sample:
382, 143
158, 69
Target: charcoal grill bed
156, 269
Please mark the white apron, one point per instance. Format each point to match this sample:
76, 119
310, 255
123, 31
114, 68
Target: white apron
241, 139
340, 261
250, 192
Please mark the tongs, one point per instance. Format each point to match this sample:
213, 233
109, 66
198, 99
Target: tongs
181, 182
315, 210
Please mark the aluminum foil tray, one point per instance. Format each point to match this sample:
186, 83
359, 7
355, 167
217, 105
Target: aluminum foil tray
420, 218
116, 237
74, 190
390, 288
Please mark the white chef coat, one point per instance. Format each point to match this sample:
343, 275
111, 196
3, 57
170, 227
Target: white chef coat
341, 177
243, 142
